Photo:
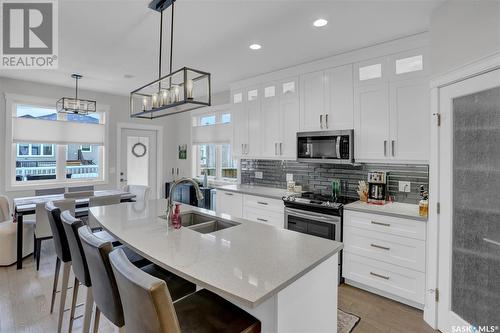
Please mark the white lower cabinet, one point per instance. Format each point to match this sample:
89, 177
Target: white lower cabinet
229, 203
251, 207
385, 255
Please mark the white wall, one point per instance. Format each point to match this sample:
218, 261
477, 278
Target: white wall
462, 31
119, 113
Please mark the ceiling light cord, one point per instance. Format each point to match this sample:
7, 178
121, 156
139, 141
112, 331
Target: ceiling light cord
172, 37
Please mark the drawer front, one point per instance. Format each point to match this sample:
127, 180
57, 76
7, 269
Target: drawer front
393, 279
406, 252
268, 204
386, 224
229, 203
263, 216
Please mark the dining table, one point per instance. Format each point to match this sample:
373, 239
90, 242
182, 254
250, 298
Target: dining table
27, 206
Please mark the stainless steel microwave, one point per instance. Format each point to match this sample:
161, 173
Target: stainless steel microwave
326, 147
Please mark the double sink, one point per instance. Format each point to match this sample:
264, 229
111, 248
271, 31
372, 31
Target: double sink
205, 224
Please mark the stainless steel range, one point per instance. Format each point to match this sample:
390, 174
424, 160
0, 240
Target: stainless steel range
316, 215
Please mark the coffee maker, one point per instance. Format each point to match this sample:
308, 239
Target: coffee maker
377, 186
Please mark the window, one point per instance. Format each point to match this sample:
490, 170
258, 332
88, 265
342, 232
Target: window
229, 167
216, 161
410, 64
54, 161
206, 159
237, 98
289, 87
253, 94
226, 118
269, 91
370, 72
207, 120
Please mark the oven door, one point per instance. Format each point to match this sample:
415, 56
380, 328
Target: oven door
311, 223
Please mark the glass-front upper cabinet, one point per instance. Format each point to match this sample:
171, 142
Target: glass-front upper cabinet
408, 64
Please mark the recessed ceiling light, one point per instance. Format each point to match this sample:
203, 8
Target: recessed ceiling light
255, 47
320, 23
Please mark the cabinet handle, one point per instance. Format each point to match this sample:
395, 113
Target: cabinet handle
385, 147
380, 276
392, 147
275, 148
380, 247
228, 193
326, 120
321, 121
263, 220
491, 241
382, 224
281, 148
262, 203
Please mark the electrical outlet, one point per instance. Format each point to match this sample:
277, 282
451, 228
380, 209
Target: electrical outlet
289, 177
259, 174
404, 186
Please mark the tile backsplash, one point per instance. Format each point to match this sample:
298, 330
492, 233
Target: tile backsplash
318, 177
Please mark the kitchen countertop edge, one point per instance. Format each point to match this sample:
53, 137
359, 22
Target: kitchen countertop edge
374, 209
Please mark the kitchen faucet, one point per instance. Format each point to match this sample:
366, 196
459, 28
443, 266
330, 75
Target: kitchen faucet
170, 204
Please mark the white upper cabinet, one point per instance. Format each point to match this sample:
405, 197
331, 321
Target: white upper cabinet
246, 115
289, 115
392, 109
271, 122
240, 123
313, 102
340, 95
326, 99
371, 133
253, 110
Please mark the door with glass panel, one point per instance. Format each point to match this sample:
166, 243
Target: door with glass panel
138, 161
469, 221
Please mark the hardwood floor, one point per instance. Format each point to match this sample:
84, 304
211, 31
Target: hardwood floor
379, 314
25, 303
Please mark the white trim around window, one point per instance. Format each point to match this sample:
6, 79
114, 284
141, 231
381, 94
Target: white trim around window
59, 150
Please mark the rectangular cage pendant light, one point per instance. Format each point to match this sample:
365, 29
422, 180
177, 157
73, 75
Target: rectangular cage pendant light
183, 90
76, 105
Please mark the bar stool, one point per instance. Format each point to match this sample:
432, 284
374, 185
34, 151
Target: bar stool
63, 256
104, 288
148, 306
98, 201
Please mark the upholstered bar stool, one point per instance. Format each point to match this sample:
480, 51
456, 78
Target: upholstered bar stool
105, 200
43, 230
148, 306
104, 288
63, 256
141, 192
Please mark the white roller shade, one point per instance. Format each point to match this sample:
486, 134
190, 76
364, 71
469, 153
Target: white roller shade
219, 133
57, 132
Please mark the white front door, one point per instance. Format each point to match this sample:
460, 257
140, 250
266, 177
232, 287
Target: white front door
469, 221
138, 160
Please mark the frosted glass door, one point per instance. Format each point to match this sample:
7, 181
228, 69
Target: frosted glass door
469, 222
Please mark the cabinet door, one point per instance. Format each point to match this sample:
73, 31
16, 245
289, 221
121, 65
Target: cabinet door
240, 124
229, 203
312, 101
409, 119
270, 122
252, 108
289, 114
372, 122
341, 98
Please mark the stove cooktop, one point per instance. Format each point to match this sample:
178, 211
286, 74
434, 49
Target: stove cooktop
313, 200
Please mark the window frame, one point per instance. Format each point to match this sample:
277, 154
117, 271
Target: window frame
30, 154
59, 150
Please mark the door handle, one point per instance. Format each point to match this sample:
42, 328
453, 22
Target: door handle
326, 120
321, 121
385, 147
123, 180
392, 147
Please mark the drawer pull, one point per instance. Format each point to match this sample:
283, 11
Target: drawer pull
380, 247
263, 220
487, 240
380, 223
262, 203
380, 276
228, 194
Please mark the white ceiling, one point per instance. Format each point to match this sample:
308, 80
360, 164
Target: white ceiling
107, 39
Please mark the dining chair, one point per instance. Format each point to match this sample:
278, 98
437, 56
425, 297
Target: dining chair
8, 235
141, 192
97, 201
43, 229
149, 308
50, 191
63, 256
106, 295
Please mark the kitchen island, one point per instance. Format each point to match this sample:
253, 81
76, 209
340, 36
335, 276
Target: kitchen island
286, 279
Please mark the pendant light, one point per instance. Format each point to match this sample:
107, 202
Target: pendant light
76, 105
180, 91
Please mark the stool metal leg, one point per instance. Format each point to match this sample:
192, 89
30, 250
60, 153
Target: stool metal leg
64, 291
56, 280
73, 304
96, 319
89, 305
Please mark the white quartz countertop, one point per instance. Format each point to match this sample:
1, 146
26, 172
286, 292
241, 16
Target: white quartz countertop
247, 263
396, 209
262, 191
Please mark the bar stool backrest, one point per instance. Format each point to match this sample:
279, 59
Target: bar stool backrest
60, 241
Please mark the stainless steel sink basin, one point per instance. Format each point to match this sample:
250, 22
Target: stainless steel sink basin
190, 219
212, 226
